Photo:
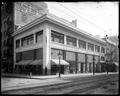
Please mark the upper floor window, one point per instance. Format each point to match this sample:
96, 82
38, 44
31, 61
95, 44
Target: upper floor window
17, 43
82, 44
97, 48
102, 50
71, 41
102, 58
27, 40
57, 37
90, 46
39, 37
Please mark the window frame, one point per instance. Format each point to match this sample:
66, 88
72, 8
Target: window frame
74, 40
37, 34
17, 45
91, 46
97, 48
82, 44
57, 35
28, 40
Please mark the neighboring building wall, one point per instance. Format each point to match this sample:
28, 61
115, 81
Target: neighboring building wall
25, 12
7, 26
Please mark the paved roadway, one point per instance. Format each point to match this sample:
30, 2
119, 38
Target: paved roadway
100, 84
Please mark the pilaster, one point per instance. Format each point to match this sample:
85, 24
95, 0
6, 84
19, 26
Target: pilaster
46, 50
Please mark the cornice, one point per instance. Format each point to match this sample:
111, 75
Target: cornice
59, 21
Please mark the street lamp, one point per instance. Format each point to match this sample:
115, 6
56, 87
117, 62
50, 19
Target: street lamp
93, 65
59, 54
106, 37
107, 66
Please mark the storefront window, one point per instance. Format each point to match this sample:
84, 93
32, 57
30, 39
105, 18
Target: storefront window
28, 55
57, 37
70, 56
55, 52
81, 57
17, 43
18, 56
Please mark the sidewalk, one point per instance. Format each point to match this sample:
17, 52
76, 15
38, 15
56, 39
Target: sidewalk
34, 81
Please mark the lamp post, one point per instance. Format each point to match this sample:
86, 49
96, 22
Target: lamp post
107, 65
106, 37
59, 54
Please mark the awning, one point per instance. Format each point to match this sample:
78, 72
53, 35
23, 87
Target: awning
24, 62
116, 63
56, 62
36, 62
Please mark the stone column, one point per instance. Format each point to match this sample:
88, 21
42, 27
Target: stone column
46, 50
14, 58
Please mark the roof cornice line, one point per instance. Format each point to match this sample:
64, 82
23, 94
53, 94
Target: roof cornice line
58, 21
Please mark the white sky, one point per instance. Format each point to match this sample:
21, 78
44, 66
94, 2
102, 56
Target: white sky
97, 18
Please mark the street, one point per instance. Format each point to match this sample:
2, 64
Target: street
102, 84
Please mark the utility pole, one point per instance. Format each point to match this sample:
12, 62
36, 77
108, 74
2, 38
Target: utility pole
59, 64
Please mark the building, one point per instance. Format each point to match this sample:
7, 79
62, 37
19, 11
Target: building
26, 12
7, 26
41, 44
18, 15
112, 53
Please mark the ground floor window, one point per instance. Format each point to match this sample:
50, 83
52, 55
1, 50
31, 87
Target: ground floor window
27, 69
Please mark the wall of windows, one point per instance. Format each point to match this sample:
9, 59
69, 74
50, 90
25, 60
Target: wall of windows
90, 47
71, 41
82, 44
27, 40
97, 48
57, 37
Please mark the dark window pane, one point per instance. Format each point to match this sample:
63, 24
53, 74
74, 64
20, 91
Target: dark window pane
17, 43
28, 55
39, 53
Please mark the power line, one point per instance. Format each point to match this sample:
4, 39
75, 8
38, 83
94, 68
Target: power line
70, 16
82, 17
